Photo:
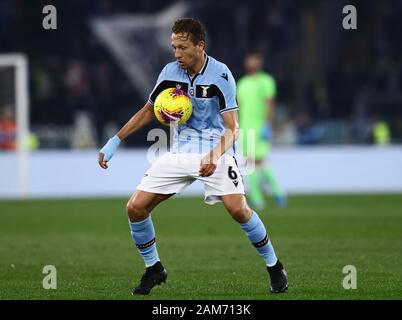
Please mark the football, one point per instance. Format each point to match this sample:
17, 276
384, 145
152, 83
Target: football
172, 107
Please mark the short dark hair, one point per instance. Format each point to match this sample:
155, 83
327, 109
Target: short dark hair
190, 26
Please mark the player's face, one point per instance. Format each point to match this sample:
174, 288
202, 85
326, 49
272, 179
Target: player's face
253, 63
186, 52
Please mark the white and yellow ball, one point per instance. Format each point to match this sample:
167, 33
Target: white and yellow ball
173, 106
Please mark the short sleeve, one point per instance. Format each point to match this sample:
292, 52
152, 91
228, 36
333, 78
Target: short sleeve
225, 90
158, 86
241, 90
269, 87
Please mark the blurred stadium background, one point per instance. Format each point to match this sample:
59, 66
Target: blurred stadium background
338, 130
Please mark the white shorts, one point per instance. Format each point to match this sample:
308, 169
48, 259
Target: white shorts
173, 172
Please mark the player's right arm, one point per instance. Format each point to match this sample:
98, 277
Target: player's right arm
139, 120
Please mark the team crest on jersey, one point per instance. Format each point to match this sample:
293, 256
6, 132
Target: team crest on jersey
204, 91
191, 92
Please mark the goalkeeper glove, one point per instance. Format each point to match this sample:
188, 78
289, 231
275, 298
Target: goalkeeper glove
110, 147
266, 133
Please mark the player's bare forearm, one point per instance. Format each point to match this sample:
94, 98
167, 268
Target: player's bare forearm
230, 135
227, 140
209, 162
139, 120
271, 110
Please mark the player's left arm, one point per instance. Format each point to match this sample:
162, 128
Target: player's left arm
271, 109
270, 91
226, 93
209, 162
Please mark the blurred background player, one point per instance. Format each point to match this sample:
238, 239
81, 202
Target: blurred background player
7, 128
380, 131
256, 93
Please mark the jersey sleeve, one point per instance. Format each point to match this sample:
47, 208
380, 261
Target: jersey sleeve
225, 90
159, 86
269, 87
240, 90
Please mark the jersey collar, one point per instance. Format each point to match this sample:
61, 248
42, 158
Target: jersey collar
204, 67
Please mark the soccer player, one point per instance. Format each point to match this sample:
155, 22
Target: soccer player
256, 95
203, 150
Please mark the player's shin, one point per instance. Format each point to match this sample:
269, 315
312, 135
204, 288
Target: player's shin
255, 194
255, 231
270, 177
143, 235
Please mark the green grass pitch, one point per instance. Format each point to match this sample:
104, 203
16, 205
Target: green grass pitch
205, 252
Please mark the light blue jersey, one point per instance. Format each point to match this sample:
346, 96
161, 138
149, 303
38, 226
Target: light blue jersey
212, 92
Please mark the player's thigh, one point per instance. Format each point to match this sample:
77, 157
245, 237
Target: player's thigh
141, 203
262, 148
254, 148
236, 205
226, 179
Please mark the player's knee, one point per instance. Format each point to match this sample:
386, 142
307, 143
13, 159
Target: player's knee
259, 163
240, 213
136, 211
